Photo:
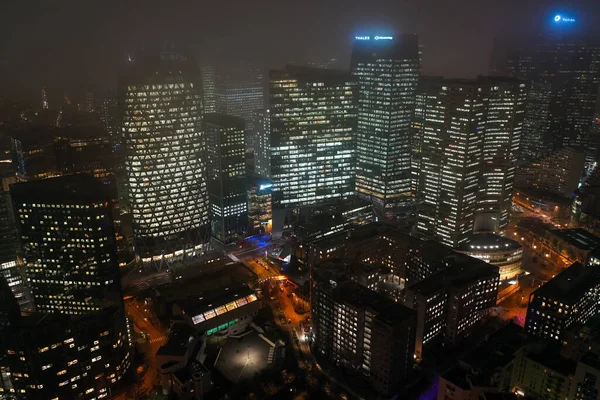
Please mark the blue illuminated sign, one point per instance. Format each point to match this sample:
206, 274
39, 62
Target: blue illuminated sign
560, 18
362, 38
383, 38
263, 187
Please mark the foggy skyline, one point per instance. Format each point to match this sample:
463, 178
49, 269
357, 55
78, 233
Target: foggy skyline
74, 46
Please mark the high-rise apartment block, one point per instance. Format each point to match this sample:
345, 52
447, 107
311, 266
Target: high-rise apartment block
313, 127
67, 234
164, 148
226, 176
451, 302
362, 330
387, 71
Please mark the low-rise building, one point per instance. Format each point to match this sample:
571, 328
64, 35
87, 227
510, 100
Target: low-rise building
505, 253
572, 244
488, 369
542, 374
228, 310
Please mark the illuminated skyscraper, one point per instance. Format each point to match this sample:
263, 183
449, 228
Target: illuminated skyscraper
451, 157
164, 149
262, 142
387, 71
313, 126
68, 243
226, 176
504, 115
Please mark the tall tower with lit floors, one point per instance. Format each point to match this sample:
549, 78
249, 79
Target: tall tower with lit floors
164, 154
387, 71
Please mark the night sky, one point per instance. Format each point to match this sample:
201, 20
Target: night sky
78, 45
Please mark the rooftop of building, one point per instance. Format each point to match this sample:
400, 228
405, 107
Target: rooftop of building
342, 269
364, 232
224, 120
551, 359
387, 310
177, 343
569, 285
488, 242
591, 359
466, 378
68, 189
497, 350
578, 237
205, 302
462, 270
332, 76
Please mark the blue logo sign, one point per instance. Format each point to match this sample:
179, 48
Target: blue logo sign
362, 38
560, 18
383, 38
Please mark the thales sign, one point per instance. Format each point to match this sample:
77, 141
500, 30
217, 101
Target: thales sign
374, 37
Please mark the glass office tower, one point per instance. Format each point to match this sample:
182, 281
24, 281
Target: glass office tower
164, 148
313, 126
387, 71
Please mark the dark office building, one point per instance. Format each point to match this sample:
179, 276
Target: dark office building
313, 127
571, 297
54, 356
68, 244
450, 303
362, 330
387, 71
226, 176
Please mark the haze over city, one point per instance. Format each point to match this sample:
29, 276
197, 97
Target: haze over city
67, 45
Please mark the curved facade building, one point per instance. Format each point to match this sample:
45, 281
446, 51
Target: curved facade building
164, 148
505, 253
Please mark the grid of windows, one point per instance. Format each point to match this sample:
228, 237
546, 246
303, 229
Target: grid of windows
68, 247
451, 157
387, 72
164, 145
313, 119
226, 176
